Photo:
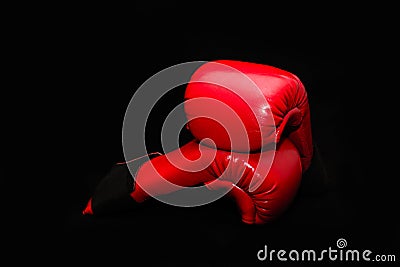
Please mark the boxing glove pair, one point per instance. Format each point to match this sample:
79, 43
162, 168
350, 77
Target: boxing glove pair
252, 140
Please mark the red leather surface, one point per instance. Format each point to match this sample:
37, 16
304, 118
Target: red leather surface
277, 175
266, 100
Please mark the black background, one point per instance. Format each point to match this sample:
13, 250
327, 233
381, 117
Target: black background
88, 62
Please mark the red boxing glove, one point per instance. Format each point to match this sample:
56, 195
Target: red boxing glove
253, 122
268, 103
277, 175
